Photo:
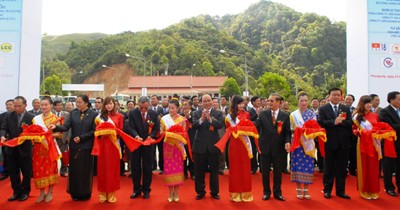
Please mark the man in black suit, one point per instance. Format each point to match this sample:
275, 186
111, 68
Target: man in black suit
348, 101
187, 112
140, 120
9, 108
19, 157
206, 122
338, 133
254, 111
391, 115
36, 107
274, 142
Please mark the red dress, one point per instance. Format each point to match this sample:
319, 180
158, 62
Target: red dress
108, 159
45, 171
239, 164
368, 159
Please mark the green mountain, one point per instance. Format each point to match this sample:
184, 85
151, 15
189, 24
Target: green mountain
308, 50
53, 46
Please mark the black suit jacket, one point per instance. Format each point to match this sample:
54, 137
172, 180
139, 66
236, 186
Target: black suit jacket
138, 128
389, 115
337, 135
270, 142
253, 114
205, 138
11, 128
33, 112
83, 128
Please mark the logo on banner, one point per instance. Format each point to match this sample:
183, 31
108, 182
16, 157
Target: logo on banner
376, 46
396, 49
6, 47
387, 62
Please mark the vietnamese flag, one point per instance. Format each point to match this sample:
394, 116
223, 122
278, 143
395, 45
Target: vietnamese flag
376, 45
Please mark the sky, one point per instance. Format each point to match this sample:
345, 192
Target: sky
116, 16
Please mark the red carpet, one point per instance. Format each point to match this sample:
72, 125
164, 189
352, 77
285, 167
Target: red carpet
159, 194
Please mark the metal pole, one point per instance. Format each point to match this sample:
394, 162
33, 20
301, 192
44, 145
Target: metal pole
246, 75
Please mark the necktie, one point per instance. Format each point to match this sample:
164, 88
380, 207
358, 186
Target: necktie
336, 111
19, 116
81, 116
143, 117
58, 114
273, 117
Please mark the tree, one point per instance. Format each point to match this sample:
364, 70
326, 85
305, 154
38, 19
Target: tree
230, 87
53, 84
273, 83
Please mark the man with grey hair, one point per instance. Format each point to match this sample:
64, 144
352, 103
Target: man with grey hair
143, 124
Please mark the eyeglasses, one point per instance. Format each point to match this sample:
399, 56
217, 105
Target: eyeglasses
97, 102
271, 101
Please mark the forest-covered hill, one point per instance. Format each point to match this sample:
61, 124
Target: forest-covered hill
304, 50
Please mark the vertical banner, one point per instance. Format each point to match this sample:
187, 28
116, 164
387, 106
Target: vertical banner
10, 45
383, 46
20, 46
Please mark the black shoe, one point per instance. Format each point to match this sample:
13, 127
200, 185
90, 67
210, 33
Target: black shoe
75, 199
320, 171
391, 193
63, 175
286, 171
266, 197
327, 195
279, 197
343, 196
14, 197
161, 172
353, 173
221, 172
122, 174
23, 197
135, 195
254, 171
146, 195
3, 177
192, 177
199, 196
216, 197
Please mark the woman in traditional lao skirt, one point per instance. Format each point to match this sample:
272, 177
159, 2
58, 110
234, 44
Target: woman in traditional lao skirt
82, 125
370, 132
107, 147
306, 129
238, 129
45, 153
174, 150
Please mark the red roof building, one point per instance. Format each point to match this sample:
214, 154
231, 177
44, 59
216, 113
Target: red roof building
169, 85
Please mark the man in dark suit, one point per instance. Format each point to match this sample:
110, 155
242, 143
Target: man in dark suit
140, 120
274, 142
206, 122
36, 107
187, 112
348, 101
9, 108
391, 115
254, 111
160, 145
61, 138
154, 105
336, 119
19, 157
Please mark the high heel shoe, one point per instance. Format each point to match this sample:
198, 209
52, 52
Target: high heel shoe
306, 194
40, 198
176, 197
49, 197
299, 193
171, 197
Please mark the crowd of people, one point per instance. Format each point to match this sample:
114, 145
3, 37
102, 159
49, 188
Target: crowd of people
186, 137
